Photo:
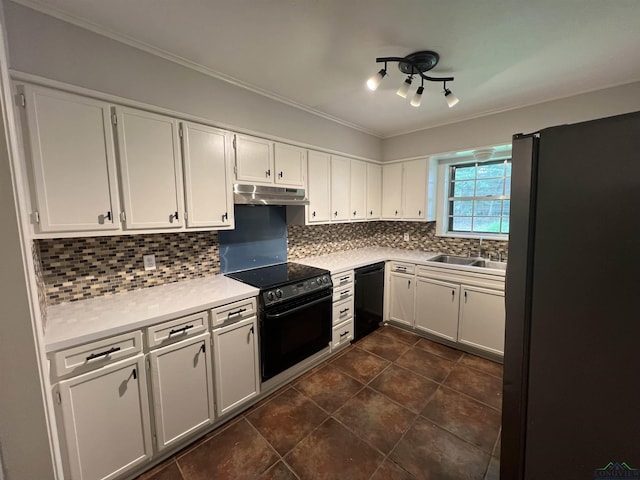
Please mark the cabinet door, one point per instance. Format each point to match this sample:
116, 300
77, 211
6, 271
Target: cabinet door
392, 191
254, 160
482, 318
236, 364
150, 169
72, 160
319, 191
208, 186
374, 191
402, 298
181, 382
106, 420
289, 164
358, 190
340, 185
414, 189
437, 305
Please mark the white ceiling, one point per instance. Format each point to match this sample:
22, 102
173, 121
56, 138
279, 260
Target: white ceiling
318, 53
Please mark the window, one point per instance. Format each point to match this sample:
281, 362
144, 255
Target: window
478, 198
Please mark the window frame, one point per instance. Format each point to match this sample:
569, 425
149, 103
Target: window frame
444, 195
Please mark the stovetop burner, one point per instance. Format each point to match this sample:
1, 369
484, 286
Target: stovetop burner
277, 275
284, 281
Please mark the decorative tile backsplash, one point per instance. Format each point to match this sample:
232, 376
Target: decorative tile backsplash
77, 268
322, 239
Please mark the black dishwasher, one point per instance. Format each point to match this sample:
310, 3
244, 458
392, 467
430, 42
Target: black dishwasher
369, 298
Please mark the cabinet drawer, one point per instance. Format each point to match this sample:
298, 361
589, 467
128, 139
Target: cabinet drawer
342, 293
176, 329
233, 311
402, 267
342, 311
342, 334
341, 279
96, 354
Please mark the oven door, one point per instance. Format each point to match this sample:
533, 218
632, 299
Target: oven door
291, 332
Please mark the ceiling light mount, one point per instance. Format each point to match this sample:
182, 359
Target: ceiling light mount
414, 64
418, 62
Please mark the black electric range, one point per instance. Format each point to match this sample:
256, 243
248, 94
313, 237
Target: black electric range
284, 281
294, 316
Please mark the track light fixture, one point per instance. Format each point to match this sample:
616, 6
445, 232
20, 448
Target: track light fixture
375, 80
414, 64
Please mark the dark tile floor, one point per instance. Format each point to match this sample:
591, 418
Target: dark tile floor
391, 406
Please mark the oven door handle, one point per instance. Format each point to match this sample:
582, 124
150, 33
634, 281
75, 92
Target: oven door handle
297, 309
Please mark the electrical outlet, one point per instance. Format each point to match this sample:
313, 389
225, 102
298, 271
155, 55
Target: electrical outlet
406, 236
149, 261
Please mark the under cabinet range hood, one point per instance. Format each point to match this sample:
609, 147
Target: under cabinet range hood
262, 195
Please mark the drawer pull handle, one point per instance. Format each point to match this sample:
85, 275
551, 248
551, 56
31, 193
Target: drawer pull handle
344, 311
180, 330
236, 312
106, 353
345, 333
345, 292
344, 279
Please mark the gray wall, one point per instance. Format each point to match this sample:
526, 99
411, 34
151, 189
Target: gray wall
24, 440
45, 46
498, 128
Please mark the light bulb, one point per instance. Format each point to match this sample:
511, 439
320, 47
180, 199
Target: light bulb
404, 88
417, 98
450, 98
374, 81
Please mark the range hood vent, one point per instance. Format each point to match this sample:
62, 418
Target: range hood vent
262, 195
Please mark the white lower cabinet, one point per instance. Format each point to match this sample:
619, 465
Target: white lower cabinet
105, 414
181, 384
342, 320
482, 319
402, 298
437, 308
236, 364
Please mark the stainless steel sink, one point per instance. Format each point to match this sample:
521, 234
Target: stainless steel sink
489, 264
453, 260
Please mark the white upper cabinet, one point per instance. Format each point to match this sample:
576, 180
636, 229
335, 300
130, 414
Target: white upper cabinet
319, 191
392, 191
340, 188
207, 176
70, 143
150, 169
290, 165
408, 190
358, 203
414, 189
374, 191
254, 160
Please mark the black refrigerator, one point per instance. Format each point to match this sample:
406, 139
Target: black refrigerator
572, 350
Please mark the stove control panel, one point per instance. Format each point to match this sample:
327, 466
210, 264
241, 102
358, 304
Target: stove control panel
293, 290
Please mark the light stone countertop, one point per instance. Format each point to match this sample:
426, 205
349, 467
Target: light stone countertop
75, 323
348, 260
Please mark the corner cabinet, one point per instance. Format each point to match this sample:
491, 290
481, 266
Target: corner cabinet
150, 169
207, 176
106, 421
408, 190
69, 142
236, 361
